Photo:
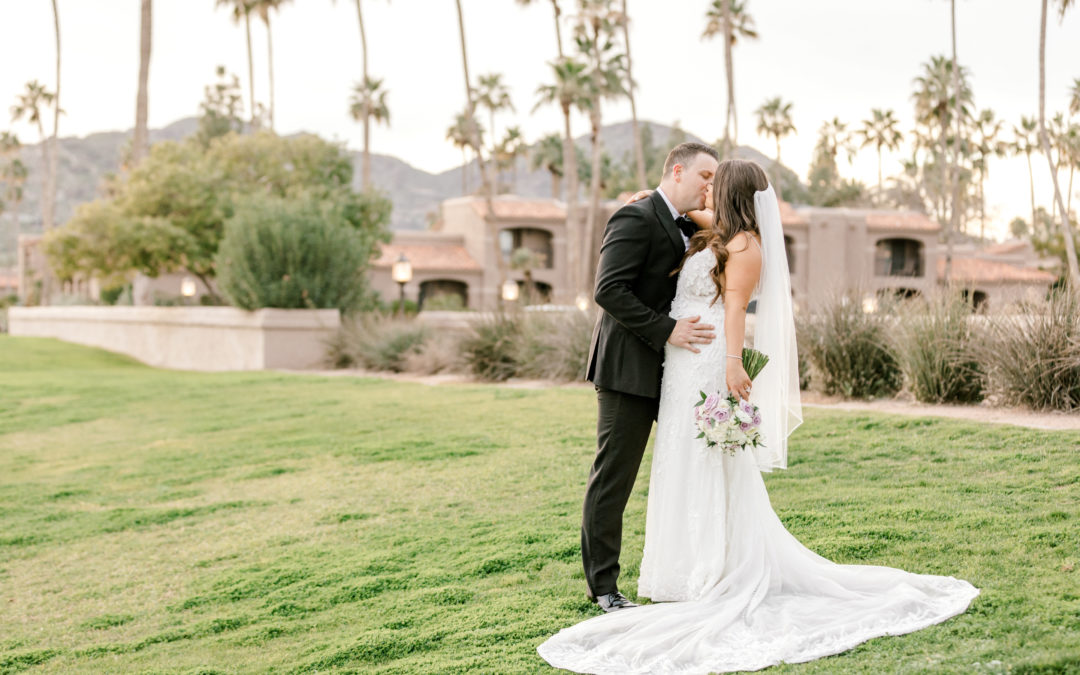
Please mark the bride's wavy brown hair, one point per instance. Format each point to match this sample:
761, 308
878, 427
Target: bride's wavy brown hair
734, 186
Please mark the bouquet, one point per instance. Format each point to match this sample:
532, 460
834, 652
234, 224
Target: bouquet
726, 422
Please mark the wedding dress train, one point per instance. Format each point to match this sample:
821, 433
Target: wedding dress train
733, 589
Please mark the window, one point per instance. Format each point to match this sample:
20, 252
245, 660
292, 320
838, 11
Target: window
535, 240
898, 258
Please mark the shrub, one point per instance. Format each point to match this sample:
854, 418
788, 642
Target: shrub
1033, 358
934, 343
555, 346
802, 341
376, 342
292, 253
490, 351
440, 353
445, 302
849, 349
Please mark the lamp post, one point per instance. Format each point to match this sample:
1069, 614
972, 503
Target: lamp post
187, 289
510, 290
401, 272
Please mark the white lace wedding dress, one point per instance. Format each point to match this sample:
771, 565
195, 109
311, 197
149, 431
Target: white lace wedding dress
733, 589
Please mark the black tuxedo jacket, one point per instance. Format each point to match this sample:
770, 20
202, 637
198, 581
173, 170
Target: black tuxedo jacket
634, 289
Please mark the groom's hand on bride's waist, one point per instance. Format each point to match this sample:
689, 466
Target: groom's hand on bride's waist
689, 332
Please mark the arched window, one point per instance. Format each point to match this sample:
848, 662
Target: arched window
898, 257
443, 294
536, 240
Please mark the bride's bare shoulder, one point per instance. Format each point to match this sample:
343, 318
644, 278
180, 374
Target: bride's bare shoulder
744, 242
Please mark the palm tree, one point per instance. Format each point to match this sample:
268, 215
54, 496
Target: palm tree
13, 174
368, 103
1024, 143
365, 80
548, 154
987, 128
594, 35
935, 108
954, 220
730, 19
881, 131
241, 11
774, 119
462, 135
1044, 141
470, 116
492, 94
509, 149
141, 144
264, 7
29, 107
570, 90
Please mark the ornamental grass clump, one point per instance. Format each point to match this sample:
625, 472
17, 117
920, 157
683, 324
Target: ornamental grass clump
849, 348
555, 346
935, 341
1032, 358
377, 342
491, 350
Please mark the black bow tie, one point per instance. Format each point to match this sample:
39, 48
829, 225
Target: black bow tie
686, 226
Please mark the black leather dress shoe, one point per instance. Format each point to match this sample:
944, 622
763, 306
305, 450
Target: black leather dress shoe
613, 602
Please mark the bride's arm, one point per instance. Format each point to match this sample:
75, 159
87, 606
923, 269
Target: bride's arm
740, 278
703, 218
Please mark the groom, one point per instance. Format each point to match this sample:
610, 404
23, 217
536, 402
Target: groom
643, 243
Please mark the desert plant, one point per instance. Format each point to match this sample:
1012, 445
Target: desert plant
490, 351
850, 349
292, 253
1033, 358
439, 353
555, 346
934, 341
376, 342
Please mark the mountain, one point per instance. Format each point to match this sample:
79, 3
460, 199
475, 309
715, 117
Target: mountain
416, 194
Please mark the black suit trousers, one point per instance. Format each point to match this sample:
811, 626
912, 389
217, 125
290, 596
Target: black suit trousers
623, 424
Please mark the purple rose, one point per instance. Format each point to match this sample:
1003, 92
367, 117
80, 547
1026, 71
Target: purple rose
722, 415
757, 420
744, 426
711, 401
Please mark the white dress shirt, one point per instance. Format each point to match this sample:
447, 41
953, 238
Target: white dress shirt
675, 215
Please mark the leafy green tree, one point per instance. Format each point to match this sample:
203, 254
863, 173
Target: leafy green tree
170, 211
221, 109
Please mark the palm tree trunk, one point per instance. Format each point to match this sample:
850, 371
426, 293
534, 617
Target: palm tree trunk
251, 68
1031, 183
954, 177
556, 185
778, 151
50, 196
639, 154
880, 185
1068, 199
1044, 139
558, 30
366, 164
141, 142
730, 139
573, 228
590, 234
464, 172
982, 207
270, 66
470, 113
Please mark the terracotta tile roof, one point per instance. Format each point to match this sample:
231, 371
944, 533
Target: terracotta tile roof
522, 209
440, 257
901, 220
982, 271
1005, 248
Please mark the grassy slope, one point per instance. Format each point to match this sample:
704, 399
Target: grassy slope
166, 522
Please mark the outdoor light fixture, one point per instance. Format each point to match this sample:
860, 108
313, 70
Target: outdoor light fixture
187, 287
582, 301
510, 290
401, 272
869, 304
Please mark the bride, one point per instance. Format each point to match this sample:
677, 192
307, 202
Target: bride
732, 588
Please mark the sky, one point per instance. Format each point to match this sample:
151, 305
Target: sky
831, 58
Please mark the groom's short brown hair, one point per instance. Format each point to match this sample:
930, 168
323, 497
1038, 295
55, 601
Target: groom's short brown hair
684, 153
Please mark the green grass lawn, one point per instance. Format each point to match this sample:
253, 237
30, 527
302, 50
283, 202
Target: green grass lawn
167, 522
